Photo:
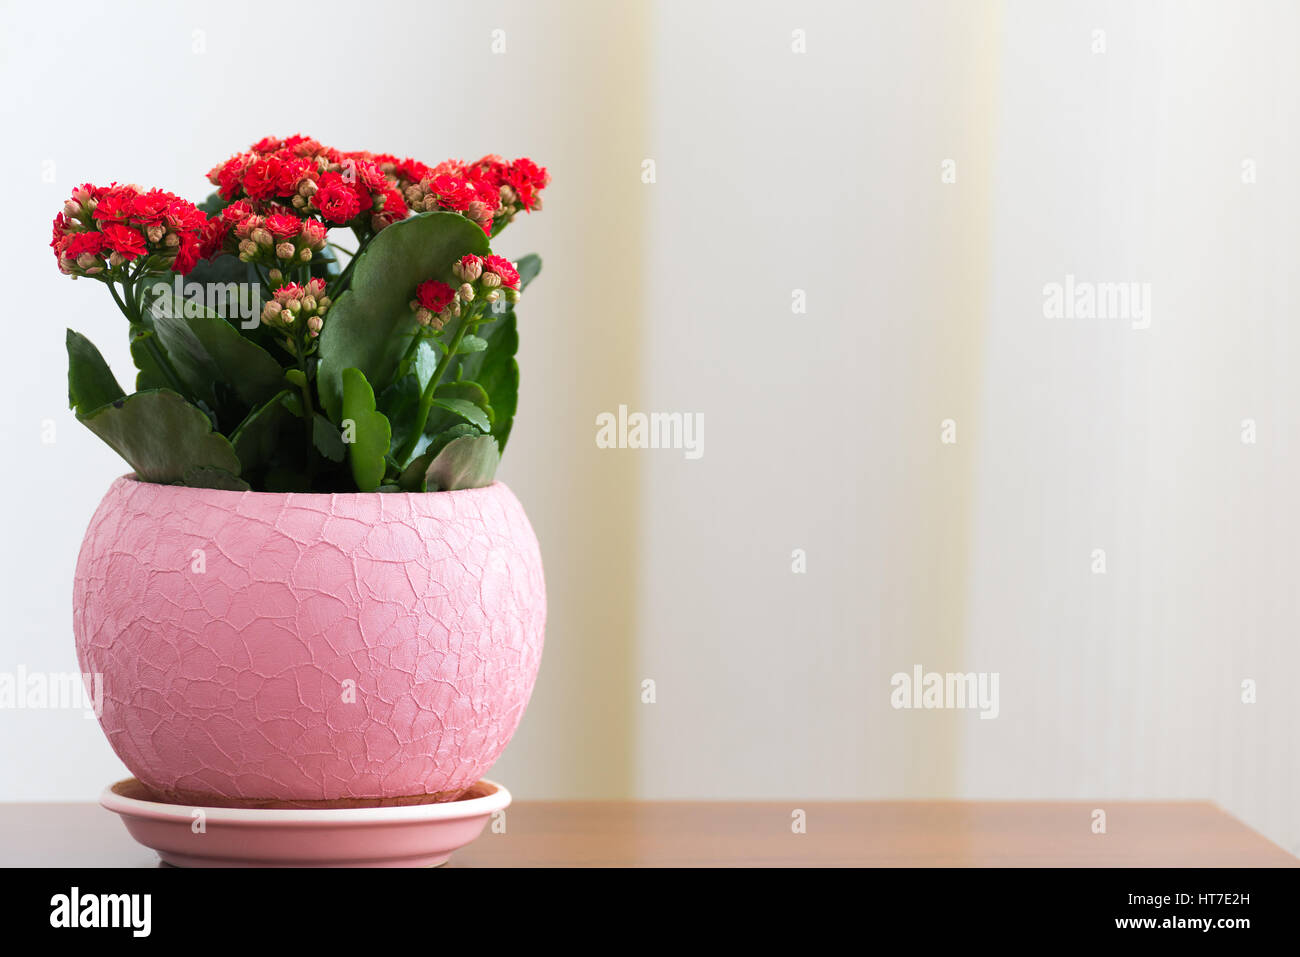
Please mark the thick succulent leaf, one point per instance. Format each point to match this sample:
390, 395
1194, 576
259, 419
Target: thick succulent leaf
91, 384
161, 436
370, 432
266, 430
468, 391
467, 462
498, 374
369, 326
207, 476
412, 478
466, 410
150, 374
327, 439
209, 354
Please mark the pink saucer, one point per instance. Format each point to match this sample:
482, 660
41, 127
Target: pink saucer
414, 835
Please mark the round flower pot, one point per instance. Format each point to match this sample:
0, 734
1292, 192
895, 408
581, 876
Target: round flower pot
309, 650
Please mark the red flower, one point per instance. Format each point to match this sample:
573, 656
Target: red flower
452, 193
392, 210
188, 255
149, 208
503, 268
283, 225
337, 201
434, 295
293, 171
261, 177
237, 212
115, 204
228, 176
125, 241
80, 243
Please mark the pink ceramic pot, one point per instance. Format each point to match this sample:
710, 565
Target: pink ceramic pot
306, 650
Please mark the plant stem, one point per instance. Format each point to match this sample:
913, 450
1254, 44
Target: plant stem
426, 397
310, 410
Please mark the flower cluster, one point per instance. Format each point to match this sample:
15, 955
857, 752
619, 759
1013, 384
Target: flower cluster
490, 277
297, 307
486, 279
101, 228
307, 179
489, 191
276, 237
435, 303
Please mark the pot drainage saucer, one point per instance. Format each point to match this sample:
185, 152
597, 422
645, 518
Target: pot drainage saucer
411, 835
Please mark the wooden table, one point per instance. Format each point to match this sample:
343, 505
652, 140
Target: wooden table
884, 834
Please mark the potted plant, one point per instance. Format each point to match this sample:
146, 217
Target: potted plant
311, 591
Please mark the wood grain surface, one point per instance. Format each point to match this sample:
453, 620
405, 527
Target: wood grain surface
666, 834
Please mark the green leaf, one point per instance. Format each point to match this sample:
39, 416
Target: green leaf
207, 476
528, 267
328, 439
209, 354
497, 371
467, 462
214, 204
150, 375
91, 384
467, 390
223, 287
400, 403
412, 478
369, 326
371, 432
472, 344
161, 436
466, 410
266, 431
425, 361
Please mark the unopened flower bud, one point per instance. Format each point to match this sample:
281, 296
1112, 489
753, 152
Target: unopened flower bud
512, 295
247, 249
467, 268
275, 275
493, 296
71, 207
305, 255
115, 260
508, 196
314, 325
86, 260
262, 237
284, 250
423, 316
271, 312
309, 303
466, 293
490, 281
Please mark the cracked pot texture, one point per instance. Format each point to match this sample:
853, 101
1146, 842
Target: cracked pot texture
309, 649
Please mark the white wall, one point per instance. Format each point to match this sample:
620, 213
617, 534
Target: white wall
776, 171
1128, 166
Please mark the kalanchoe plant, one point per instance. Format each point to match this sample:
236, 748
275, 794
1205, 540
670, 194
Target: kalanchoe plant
260, 364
